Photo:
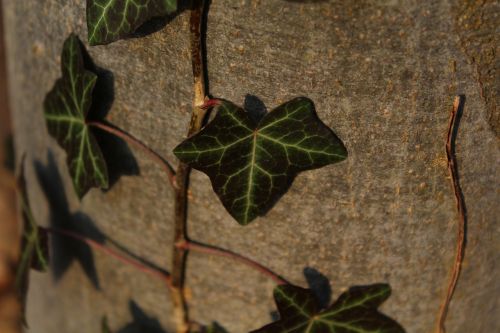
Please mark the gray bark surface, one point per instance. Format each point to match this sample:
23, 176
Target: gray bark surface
383, 75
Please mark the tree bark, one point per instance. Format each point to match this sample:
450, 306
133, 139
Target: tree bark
10, 307
383, 75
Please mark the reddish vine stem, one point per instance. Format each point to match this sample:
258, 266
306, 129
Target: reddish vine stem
179, 255
462, 218
217, 251
112, 253
138, 144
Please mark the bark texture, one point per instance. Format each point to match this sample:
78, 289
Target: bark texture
10, 307
383, 75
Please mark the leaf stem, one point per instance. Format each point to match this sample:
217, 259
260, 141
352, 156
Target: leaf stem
158, 273
217, 251
179, 255
460, 204
169, 170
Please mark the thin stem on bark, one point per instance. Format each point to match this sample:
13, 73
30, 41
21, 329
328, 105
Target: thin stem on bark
183, 171
138, 144
217, 251
157, 273
462, 215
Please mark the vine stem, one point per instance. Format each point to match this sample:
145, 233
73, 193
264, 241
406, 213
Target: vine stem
157, 273
138, 144
179, 255
462, 217
217, 251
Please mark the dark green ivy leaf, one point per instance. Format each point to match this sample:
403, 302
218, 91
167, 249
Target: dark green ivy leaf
34, 244
355, 311
110, 20
66, 107
253, 163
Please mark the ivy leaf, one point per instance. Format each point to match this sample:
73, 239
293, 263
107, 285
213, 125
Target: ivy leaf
66, 107
110, 20
355, 311
252, 163
34, 244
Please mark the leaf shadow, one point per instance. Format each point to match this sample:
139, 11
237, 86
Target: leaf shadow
64, 250
255, 107
134, 256
307, 1
119, 158
104, 89
141, 321
320, 286
158, 23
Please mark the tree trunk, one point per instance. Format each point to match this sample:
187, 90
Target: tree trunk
383, 75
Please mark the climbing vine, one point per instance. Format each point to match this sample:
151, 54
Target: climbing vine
251, 159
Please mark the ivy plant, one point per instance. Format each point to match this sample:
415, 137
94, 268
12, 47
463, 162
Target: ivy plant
251, 161
354, 311
66, 108
110, 20
34, 243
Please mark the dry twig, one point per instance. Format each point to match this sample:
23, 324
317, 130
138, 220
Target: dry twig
462, 217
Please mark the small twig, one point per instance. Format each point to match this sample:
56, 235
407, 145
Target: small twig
213, 250
138, 144
462, 218
158, 273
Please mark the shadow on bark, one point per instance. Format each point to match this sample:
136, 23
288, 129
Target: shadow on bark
255, 107
64, 250
306, 1
320, 286
119, 158
141, 322
134, 256
158, 23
